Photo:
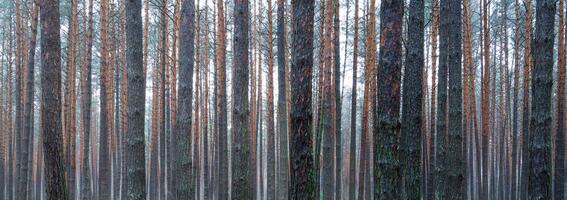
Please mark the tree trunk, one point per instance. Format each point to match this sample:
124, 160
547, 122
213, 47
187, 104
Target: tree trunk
301, 146
270, 129
70, 102
411, 132
526, 100
51, 100
540, 126
328, 122
86, 97
241, 156
352, 150
431, 187
515, 134
485, 99
282, 121
451, 24
28, 107
559, 182
106, 104
387, 175
222, 103
337, 97
135, 144
20, 183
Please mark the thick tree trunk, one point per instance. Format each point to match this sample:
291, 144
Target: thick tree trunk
387, 174
412, 107
135, 142
540, 127
241, 152
51, 100
301, 142
183, 188
450, 29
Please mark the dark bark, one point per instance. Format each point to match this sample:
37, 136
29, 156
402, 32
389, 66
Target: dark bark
528, 63
105, 107
451, 23
328, 114
301, 143
163, 108
282, 122
412, 107
559, 173
270, 129
135, 139
338, 100
222, 104
515, 104
19, 177
51, 100
442, 104
86, 97
387, 172
352, 150
241, 142
540, 127
28, 108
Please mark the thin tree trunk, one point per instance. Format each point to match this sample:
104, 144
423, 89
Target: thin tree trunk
337, 97
433, 119
282, 121
28, 107
559, 175
328, 122
352, 156
515, 134
106, 104
222, 103
485, 99
526, 100
86, 96
270, 129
